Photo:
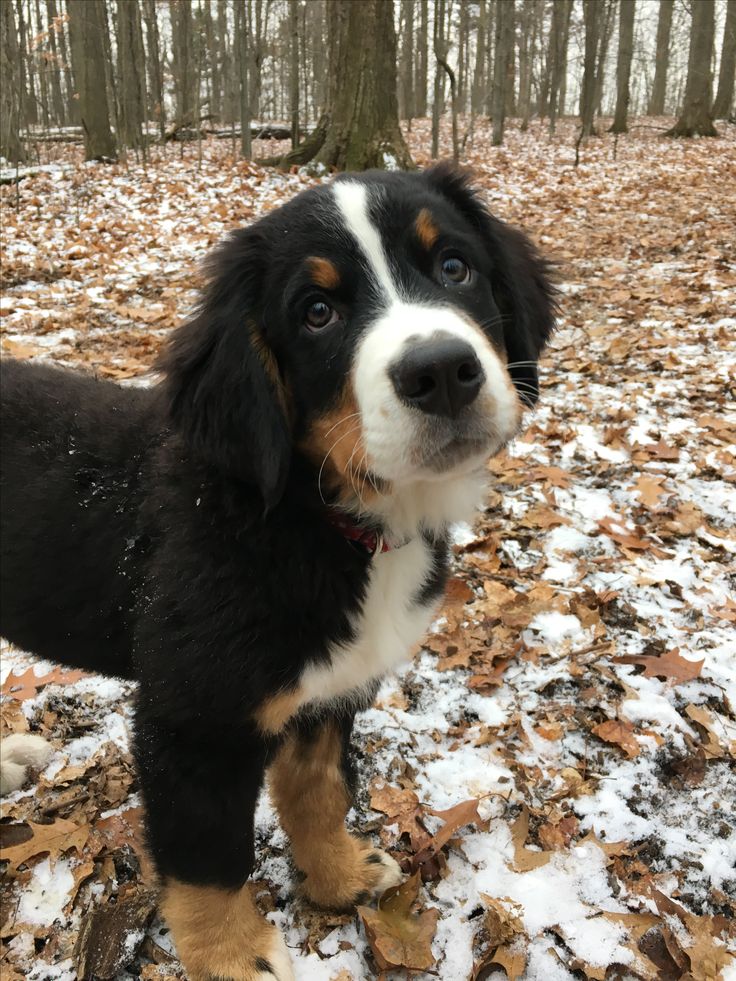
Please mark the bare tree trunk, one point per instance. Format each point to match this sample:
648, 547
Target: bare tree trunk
86, 27
294, 71
606, 31
28, 95
182, 63
502, 53
257, 25
558, 55
11, 146
510, 87
481, 57
527, 41
440, 52
562, 94
155, 72
591, 15
42, 68
659, 87
131, 73
213, 57
695, 118
244, 88
406, 63
723, 105
442, 62
462, 54
627, 10
420, 86
360, 128
73, 114
491, 49
57, 98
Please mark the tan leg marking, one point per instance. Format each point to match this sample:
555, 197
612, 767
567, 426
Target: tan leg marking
274, 713
308, 789
219, 933
426, 229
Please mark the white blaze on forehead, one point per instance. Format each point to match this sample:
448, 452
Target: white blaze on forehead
352, 200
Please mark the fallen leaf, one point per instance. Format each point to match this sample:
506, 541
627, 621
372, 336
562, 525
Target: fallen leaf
55, 839
399, 937
712, 747
650, 490
671, 665
27, 684
620, 733
525, 859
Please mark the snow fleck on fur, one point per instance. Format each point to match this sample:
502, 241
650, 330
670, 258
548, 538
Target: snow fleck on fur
602, 561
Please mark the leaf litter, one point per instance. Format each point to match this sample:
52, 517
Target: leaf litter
555, 769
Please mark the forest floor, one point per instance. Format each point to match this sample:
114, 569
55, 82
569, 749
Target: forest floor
560, 756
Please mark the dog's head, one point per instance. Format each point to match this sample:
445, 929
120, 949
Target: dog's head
384, 326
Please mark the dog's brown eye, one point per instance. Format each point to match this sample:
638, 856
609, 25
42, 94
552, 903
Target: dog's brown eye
319, 315
454, 271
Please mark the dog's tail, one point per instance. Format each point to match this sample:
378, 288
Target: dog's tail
17, 753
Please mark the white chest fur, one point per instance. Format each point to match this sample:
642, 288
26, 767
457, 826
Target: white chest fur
389, 625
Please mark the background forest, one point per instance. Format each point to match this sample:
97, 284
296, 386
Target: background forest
555, 769
129, 72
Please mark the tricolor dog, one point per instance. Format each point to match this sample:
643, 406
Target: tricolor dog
261, 537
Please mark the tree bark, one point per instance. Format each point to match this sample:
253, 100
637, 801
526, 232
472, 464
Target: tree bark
406, 66
360, 128
527, 45
510, 65
131, 74
591, 15
294, 71
481, 56
11, 146
664, 29
86, 27
57, 98
182, 62
155, 71
420, 85
723, 105
605, 24
440, 52
503, 52
558, 54
627, 10
42, 68
245, 92
695, 117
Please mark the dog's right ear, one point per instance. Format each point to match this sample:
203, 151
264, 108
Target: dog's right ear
221, 381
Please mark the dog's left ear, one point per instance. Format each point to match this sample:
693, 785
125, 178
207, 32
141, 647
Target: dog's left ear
521, 284
221, 382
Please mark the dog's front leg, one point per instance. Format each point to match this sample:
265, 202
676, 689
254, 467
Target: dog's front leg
200, 787
310, 786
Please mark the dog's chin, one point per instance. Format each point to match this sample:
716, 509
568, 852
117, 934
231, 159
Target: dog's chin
458, 455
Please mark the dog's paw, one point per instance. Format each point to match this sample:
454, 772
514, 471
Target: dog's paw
352, 873
17, 753
220, 935
273, 965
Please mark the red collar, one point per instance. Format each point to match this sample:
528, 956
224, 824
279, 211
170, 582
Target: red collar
372, 541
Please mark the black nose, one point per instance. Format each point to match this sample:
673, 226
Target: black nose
440, 377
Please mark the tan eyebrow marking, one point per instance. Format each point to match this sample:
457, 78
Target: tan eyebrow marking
426, 230
324, 273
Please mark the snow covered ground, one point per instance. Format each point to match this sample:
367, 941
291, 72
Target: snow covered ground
580, 682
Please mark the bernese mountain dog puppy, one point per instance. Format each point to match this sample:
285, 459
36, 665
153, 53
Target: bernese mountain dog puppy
261, 537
